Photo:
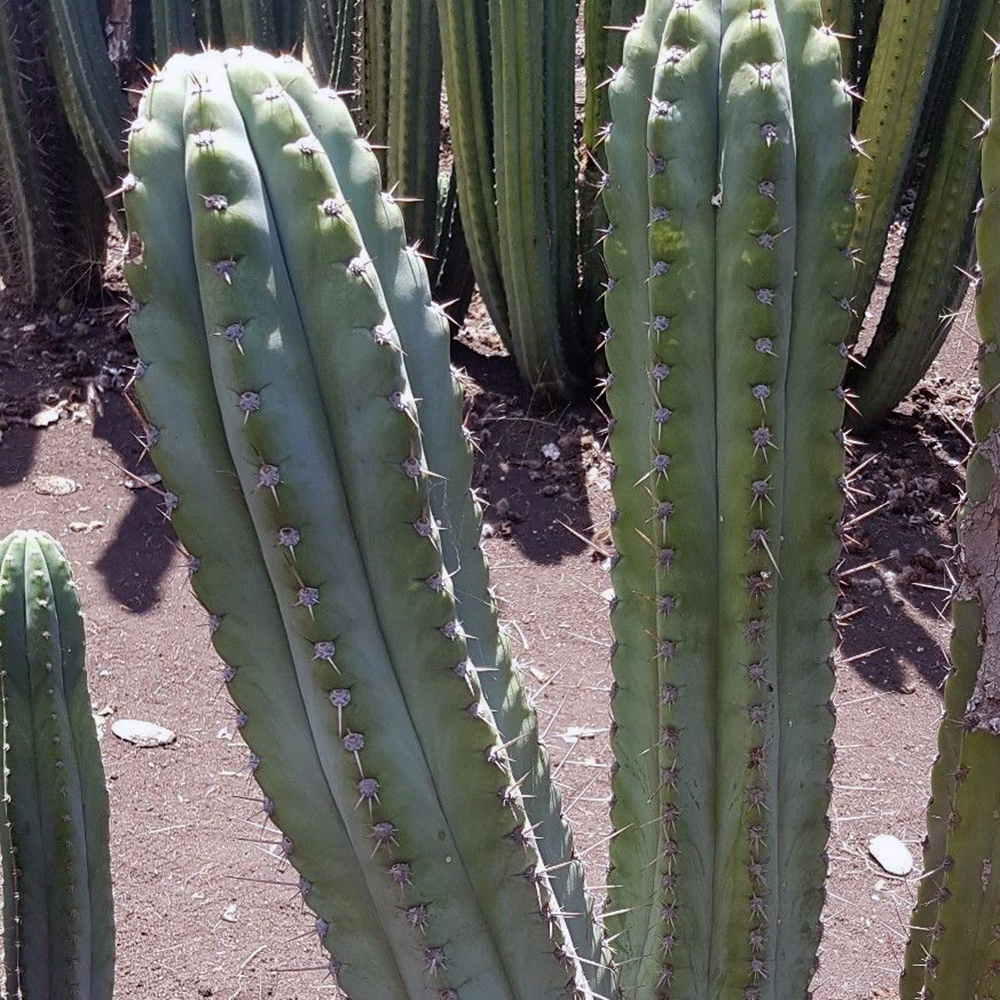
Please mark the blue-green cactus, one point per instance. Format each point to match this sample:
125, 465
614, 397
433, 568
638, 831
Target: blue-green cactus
59, 934
730, 270
279, 315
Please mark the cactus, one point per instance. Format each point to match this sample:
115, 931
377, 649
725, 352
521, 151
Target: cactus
173, 27
276, 302
508, 68
59, 935
604, 25
53, 221
932, 276
905, 49
271, 24
954, 949
92, 98
331, 28
729, 274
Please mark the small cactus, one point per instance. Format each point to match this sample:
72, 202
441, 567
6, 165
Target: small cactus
59, 935
729, 272
286, 335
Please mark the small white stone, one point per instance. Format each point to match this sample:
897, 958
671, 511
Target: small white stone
892, 854
142, 734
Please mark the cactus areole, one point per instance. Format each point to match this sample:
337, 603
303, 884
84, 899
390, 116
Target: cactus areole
729, 168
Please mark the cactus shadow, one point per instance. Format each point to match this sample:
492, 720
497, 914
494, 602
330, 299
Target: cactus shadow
899, 589
139, 555
532, 462
17, 454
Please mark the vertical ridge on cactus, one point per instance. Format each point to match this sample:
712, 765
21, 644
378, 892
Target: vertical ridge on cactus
59, 937
453, 890
728, 167
954, 949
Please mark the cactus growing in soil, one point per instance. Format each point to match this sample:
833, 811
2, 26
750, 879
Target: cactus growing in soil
954, 946
286, 332
730, 270
59, 938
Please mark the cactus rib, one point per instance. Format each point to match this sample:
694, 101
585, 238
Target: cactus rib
58, 920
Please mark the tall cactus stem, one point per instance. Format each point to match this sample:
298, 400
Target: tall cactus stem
937, 258
728, 165
59, 937
954, 949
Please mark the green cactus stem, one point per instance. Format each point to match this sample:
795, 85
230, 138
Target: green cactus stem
91, 95
605, 23
729, 160
954, 949
59, 935
331, 28
905, 49
272, 359
508, 67
937, 257
53, 220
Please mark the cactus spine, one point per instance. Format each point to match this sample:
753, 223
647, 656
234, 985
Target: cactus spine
729, 271
932, 275
272, 335
58, 925
954, 948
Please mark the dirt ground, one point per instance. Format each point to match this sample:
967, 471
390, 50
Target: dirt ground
204, 906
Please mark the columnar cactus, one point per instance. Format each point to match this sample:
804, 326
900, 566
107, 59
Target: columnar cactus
508, 68
905, 48
730, 269
932, 275
59, 935
954, 946
53, 222
285, 334
92, 97
331, 29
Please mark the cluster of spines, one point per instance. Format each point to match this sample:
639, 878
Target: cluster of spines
248, 402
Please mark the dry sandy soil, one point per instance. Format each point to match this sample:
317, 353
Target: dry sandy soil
204, 906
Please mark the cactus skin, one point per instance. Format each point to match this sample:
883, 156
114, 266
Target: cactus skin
726, 308
59, 935
439, 901
953, 948
937, 256
907, 44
